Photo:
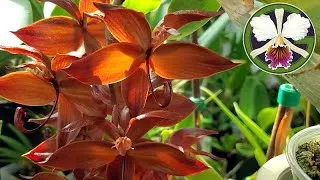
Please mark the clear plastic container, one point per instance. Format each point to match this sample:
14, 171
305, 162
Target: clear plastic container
306, 135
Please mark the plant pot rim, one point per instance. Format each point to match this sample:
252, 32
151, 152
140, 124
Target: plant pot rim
305, 135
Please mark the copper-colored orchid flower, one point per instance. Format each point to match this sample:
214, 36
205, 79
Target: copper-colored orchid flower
183, 139
127, 134
126, 150
64, 34
72, 98
139, 50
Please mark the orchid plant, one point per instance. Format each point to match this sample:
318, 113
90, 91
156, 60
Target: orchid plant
278, 48
105, 100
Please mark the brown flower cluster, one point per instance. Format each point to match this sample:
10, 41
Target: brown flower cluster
106, 100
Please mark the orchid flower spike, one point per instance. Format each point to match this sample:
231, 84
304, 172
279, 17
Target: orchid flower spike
278, 48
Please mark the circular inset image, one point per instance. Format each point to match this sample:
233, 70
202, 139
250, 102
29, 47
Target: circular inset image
279, 38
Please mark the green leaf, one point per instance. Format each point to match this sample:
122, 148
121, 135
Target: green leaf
245, 149
216, 144
258, 131
21, 136
5, 152
253, 97
228, 142
207, 174
142, 6
14, 144
15, 15
154, 17
204, 5
186, 123
58, 11
266, 117
37, 9
312, 10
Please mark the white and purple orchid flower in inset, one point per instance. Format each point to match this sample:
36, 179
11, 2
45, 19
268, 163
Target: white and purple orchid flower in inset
278, 48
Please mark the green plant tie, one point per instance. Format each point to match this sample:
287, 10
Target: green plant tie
200, 102
288, 96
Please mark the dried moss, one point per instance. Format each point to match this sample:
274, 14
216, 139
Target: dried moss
308, 157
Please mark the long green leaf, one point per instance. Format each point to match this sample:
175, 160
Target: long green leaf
14, 144
8, 161
260, 156
21, 136
37, 9
260, 133
9, 153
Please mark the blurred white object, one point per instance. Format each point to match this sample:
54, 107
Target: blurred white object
14, 14
276, 168
48, 8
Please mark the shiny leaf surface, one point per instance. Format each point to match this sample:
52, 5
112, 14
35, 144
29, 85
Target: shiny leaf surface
179, 104
81, 96
62, 61
26, 88
135, 90
82, 154
67, 114
41, 152
141, 124
165, 158
187, 61
88, 7
24, 50
108, 65
127, 25
45, 34
176, 20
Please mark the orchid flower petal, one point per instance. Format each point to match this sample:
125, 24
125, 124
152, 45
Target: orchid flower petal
263, 28
279, 16
296, 49
279, 55
296, 27
262, 49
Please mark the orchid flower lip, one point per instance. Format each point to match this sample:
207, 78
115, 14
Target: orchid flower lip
278, 26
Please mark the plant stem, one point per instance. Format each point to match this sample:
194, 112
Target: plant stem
196, 87
308, 110
196, 91
281, 116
